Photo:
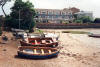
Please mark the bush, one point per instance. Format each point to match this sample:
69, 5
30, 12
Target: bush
97, 20
0, 32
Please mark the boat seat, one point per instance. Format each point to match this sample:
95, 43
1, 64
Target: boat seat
35, 52
36, 42
42, 51
43, 41
51, 41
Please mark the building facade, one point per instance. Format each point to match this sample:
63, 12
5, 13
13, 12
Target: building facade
84, 13
74, 10
53, 15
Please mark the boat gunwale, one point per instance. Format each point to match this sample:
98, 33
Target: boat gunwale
25, 47
53, 43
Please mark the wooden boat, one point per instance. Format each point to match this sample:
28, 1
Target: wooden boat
37, 52
94, 35
41, 42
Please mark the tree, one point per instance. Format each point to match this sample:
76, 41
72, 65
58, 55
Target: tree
2, 3
2, 7
22, 15
84, 19
97, 20
1, 21
78, 21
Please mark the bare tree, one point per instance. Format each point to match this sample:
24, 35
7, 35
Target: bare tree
2, 3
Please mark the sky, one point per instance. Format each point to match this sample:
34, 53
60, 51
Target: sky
85, 5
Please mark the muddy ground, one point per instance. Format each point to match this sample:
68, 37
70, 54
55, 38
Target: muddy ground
74, 53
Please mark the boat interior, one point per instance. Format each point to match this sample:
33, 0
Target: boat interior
40, 40
34, 50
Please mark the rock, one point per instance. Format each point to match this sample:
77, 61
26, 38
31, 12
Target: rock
73, 55
4, 50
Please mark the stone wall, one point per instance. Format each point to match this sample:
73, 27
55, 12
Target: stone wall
66, 26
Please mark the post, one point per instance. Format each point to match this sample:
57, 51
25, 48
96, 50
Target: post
19, 19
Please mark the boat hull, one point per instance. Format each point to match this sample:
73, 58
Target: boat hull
94, 35
37, 52
37, 56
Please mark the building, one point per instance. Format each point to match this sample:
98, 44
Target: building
53, 15
74, 10
84, 13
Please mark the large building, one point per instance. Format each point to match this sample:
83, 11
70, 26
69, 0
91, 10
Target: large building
84, 13
53, 15
74, 10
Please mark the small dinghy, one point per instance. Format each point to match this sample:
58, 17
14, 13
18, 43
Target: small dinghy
94, 35
37, 52
41, 42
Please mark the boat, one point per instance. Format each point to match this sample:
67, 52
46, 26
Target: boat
41, 42
52, 35
37, 52
94, 35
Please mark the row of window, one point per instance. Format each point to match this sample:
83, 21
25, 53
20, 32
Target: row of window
56, 18
43, 16
55, 13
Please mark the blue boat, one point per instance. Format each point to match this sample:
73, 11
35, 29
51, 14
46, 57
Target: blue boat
37, 52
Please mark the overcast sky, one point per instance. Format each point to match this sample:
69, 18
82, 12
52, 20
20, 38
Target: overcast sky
86, 5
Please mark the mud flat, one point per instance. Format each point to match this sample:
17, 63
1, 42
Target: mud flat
74, 53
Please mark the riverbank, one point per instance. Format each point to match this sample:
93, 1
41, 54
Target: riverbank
74, 53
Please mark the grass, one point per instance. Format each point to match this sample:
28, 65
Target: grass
75, 32
38, 31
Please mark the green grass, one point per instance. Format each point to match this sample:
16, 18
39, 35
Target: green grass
38, 31
75, 32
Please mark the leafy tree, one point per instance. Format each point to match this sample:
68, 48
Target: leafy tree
22, 15
1, 23
97, 20
78, 21
84, 19
75, 16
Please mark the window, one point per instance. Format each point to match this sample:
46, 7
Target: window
50, 13
43, 12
